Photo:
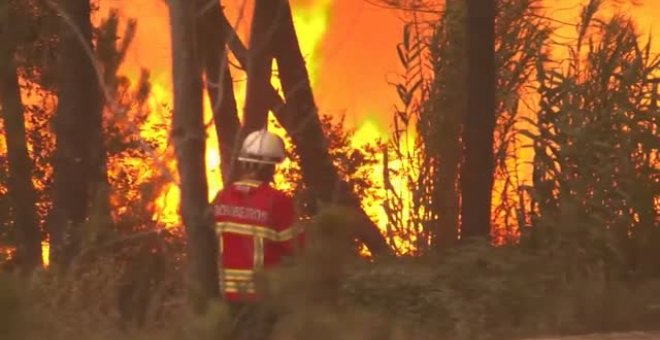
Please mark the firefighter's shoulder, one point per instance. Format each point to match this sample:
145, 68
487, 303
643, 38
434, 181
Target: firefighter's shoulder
279, 194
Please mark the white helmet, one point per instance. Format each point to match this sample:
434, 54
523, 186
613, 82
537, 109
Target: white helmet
262, 147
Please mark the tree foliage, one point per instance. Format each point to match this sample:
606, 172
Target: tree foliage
354, 164
426, 145
595, 141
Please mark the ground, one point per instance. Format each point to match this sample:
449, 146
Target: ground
609, 336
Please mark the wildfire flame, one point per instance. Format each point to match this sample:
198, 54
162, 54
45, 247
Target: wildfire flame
314, 26
311, 21
336, 71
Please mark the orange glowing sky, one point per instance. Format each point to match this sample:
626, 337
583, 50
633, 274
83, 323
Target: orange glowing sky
355, 57
350, 48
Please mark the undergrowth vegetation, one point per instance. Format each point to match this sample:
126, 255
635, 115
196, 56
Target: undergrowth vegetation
541, 286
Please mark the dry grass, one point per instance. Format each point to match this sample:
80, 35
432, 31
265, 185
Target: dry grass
476, 292
610, 336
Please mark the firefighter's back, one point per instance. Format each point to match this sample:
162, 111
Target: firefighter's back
253, 221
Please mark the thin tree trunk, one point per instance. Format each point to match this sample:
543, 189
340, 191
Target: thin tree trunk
212, 39
111, 53
189, 143
448, 192
21, 189
303, 125
77, 131
477, 172
442, 125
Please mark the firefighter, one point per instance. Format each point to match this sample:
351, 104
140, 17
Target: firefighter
255, 227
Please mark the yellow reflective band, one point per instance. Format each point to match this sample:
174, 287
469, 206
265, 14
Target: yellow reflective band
237, 274
238, 287
257, 231
239, 291
289, 233
221, 244
238, 271
258, 256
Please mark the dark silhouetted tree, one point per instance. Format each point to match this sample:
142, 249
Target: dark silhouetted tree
21, 189
441, 122
479, 119
265, 20
189, 144
213, 37
77, 125
304, 126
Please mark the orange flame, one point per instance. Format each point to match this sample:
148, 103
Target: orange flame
310, 19
348, 61
349, 56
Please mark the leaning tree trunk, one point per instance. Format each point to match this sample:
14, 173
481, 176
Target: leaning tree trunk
212, 39
21, 189
368, 234
259, 61
77, 129
303, 125
477, 172
189, 144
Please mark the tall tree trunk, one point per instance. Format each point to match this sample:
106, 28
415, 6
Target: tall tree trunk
212, 39
275, 103
444, 125
265, 20
21, 189
189, 143
77, 130
477, 172
303, 125
111, 53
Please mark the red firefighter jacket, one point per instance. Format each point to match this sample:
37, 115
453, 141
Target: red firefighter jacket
254, 224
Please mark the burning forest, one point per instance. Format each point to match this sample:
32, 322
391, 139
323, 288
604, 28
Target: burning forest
362, 169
